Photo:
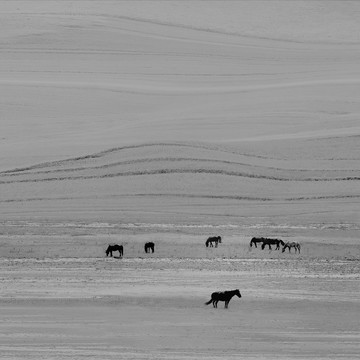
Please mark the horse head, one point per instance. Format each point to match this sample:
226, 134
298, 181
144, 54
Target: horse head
285, 246
237, 292
219, 239
107, 251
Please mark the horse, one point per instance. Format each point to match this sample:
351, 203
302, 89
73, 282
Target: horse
290, 245
149, 246
116, 247
270, 242
223, 296
256, 240
211, 240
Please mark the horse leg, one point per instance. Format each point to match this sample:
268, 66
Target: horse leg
226, 304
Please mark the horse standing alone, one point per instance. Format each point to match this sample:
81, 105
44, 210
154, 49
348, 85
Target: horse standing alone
116, 247
211, 240
223, 296
149, 246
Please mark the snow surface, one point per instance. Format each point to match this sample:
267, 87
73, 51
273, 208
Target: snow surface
170, 121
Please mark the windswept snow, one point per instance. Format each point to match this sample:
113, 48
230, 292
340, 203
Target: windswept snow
170, 121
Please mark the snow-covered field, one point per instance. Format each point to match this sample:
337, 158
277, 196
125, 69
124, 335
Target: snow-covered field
170, 121
154, 309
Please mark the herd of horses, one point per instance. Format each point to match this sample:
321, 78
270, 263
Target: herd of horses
213, 241
277, 242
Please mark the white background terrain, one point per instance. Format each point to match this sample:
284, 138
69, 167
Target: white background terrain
170, 121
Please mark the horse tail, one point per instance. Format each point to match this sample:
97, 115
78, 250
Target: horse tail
207, 243
208, 302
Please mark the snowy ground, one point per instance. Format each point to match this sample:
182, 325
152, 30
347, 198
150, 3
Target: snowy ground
79, 77
151, 309
61, 298
170, 121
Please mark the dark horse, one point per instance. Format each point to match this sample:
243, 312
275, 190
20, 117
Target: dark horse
149, 246
223, 296
211, 240
266, 242
270, 242
116, 247
290, 245
256, 240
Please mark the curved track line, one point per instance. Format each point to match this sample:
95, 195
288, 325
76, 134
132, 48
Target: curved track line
179, 171
171, 159
128, 147
191, 196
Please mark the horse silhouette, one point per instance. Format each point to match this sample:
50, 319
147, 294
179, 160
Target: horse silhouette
116, 247
270, 242
149, 246
254, 241
214, 239
290, 245
223, 296
266, 242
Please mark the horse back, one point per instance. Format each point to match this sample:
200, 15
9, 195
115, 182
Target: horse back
222, 296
